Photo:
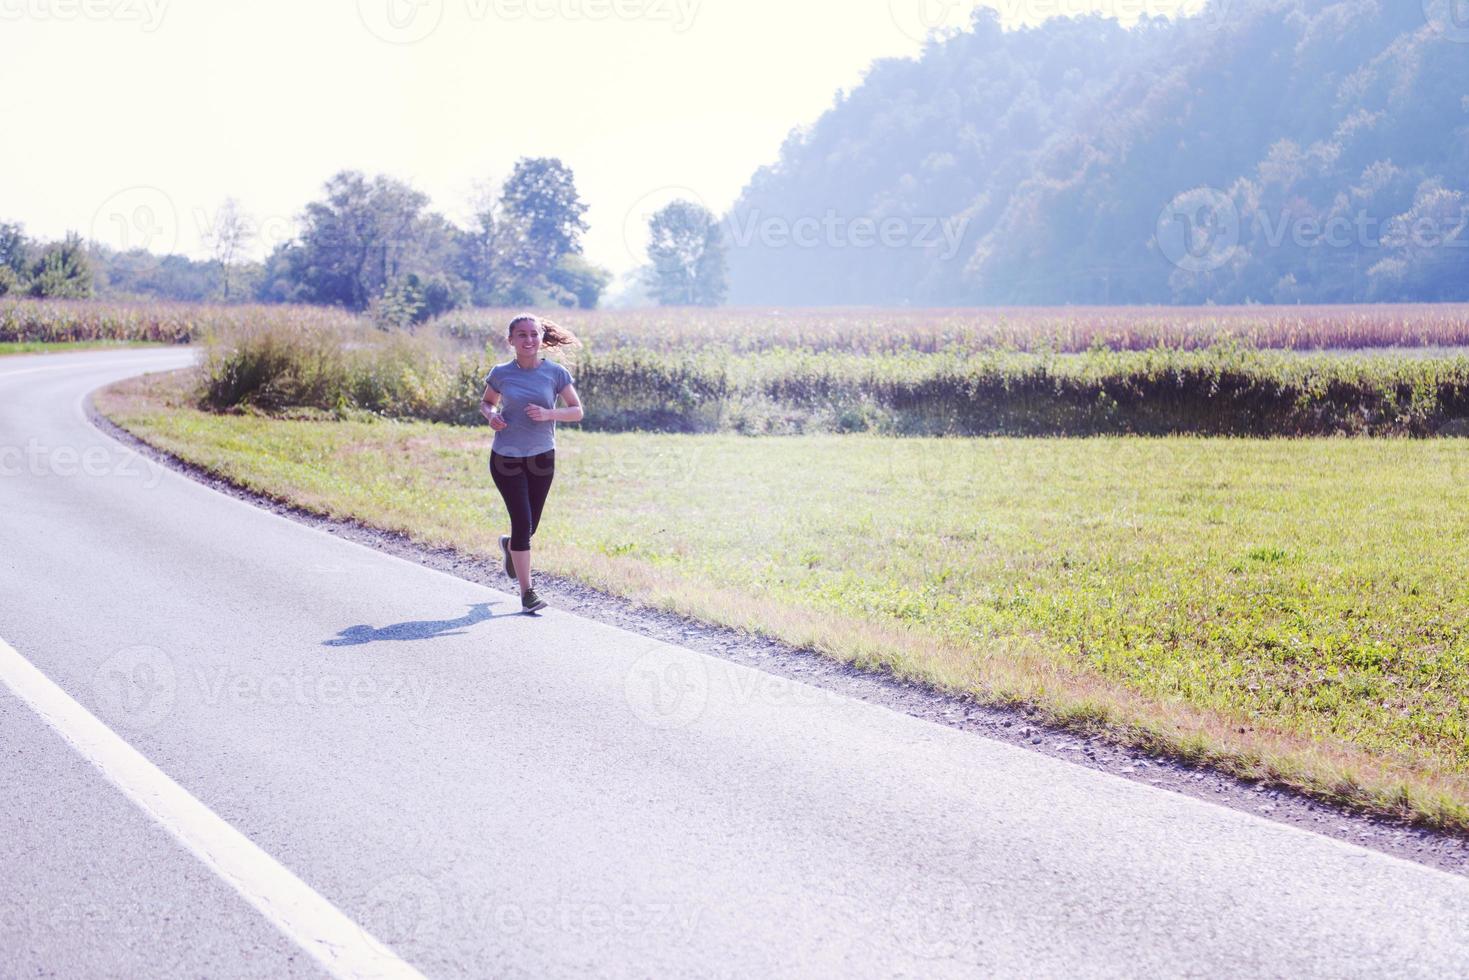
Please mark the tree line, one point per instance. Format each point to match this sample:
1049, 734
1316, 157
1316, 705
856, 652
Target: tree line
374, 245
1262, 151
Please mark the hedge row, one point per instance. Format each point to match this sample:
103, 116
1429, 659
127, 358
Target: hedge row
1224, 390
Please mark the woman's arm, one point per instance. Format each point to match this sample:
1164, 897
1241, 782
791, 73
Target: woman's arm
486, 408
571, 413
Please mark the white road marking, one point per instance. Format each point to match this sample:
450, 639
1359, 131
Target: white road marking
341, 946
70, 365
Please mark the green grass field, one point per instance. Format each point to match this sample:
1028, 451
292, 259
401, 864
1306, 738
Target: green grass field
1283, 609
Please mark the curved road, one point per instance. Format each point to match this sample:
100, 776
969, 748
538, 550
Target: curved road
304, 736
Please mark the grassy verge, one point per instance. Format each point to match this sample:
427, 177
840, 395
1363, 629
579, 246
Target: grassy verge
1292, 610
42, 347
1222, 390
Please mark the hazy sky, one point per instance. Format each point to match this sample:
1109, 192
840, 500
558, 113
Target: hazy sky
131, 120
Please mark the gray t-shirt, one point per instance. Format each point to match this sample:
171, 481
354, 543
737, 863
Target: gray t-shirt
520, 387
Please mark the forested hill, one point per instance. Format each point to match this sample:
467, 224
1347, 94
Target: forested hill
1264, 150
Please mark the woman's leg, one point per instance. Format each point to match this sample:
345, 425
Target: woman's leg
539, 473
509, 474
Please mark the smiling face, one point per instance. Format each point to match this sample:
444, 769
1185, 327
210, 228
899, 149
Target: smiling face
525, 339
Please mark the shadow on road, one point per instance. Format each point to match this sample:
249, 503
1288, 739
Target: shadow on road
423, 629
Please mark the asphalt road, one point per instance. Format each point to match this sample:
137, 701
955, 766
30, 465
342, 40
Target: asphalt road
486, 793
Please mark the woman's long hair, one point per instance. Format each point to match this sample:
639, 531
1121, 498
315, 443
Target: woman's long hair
552, 334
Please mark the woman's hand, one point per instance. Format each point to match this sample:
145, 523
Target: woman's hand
539, 414
497, 422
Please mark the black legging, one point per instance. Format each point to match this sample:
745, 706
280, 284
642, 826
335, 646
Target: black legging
524, 482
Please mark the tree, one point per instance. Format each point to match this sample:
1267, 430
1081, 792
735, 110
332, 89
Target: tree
492, 256
62, 271
580, 280
361, 237
541, 195
231, 231
13, 247
13, 258
687, 251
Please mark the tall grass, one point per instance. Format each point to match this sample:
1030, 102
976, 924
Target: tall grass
1037, 330
1226, 389
853, 330
277, 366
74, 321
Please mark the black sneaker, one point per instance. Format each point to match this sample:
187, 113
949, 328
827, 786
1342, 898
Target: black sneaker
505, 547
530, 602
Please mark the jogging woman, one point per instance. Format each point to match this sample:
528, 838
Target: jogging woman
520, 404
